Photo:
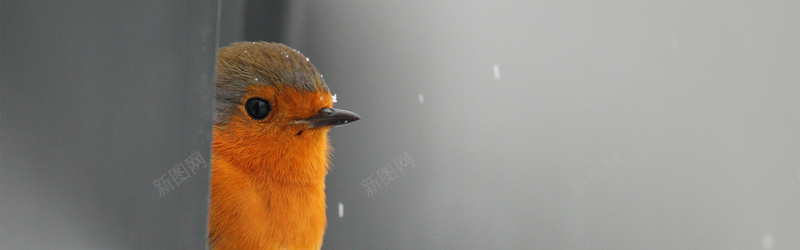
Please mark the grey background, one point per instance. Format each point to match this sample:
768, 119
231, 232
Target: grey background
613, 125
698, 99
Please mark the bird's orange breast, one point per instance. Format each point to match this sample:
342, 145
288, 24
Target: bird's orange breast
252, 208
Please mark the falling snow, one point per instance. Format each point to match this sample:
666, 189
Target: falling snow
496, 72
333, 98
767, 242
421, 99
341, 210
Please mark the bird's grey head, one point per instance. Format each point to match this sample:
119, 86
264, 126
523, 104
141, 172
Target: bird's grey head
247, 63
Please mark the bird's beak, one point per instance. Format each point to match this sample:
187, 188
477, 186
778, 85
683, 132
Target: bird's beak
330, 117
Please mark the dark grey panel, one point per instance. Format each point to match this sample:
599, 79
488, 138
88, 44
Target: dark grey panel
98, 100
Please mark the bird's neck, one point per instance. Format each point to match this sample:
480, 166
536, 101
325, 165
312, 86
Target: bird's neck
300, 162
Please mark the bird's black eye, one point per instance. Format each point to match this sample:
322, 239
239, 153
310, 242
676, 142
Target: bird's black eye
257, 108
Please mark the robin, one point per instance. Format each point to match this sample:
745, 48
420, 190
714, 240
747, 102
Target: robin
272, 115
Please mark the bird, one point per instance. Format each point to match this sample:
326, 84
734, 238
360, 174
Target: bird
270, 149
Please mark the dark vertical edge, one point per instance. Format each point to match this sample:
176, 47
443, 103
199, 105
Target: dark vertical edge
231, 24
201, 79
295, 24
264, 20
211, 111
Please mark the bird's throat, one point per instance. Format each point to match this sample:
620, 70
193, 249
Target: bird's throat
301, 160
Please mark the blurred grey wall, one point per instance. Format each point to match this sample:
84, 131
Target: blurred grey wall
560, 124
105, 123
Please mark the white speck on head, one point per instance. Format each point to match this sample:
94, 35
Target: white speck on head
287, 56
767, 242
333, 98
254, 42
321, 98
341, 210
307, 59
421, 99
256, 79
321, 76
496, 72
675, 45
245, 51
